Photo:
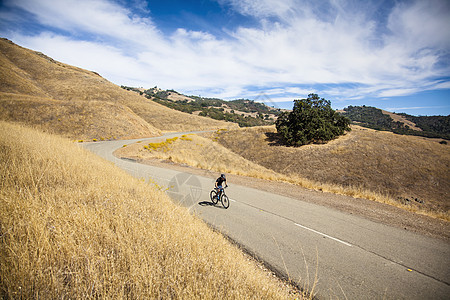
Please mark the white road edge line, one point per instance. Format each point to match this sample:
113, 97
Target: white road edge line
232, 200
326, 235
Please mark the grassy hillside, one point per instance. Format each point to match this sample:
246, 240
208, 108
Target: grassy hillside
68, 231
427, 126
31, 77
244, 112
412, 171
199, 152
83, 120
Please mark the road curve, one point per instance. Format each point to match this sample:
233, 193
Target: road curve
351, 257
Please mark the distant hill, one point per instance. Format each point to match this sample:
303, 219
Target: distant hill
375, 118
244, 112
62, 99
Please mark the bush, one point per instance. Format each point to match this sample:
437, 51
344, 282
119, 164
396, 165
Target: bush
312, 120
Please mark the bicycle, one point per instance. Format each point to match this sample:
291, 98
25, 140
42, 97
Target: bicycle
223, 197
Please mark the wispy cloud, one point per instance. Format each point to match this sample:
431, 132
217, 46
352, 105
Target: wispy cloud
95, 20
413, 108
297, 46
262, 8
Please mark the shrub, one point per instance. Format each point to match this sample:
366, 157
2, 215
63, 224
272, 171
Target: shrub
164, 145
312, 120
185, 138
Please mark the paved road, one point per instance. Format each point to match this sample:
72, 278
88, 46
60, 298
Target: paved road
353, 258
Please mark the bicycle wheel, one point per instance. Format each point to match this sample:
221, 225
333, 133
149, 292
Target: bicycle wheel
225, 201
213, 196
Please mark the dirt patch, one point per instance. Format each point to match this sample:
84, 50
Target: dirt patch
177, 97
402, 119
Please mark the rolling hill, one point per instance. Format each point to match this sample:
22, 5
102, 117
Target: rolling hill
244, 112
411, 171
375, 118
80, 104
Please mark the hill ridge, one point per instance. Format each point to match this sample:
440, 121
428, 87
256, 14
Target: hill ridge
102, 110
245, 112
378, 119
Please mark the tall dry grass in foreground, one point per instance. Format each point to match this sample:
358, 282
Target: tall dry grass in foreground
74, 226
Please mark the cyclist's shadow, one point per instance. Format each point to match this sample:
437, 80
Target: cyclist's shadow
209, 203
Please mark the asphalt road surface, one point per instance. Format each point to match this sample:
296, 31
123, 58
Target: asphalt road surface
345, 256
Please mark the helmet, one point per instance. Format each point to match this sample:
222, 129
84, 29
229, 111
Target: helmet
223, 176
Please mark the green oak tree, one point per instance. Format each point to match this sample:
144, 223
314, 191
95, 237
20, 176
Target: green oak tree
312, 120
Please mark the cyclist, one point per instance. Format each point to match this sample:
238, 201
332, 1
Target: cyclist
219, 184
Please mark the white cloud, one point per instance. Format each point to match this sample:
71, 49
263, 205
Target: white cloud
297, 45
440, 85
93, 56
413, 108
101, 18
261, 8
273, 100
398, 92
423, 24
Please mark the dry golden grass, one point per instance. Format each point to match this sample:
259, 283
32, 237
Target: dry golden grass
365, 163
198, 152
79, 120
26, 73
69, 231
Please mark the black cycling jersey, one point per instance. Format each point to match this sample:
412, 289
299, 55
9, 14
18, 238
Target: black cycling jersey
220, 180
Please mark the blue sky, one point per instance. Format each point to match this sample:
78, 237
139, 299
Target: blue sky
394, 55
